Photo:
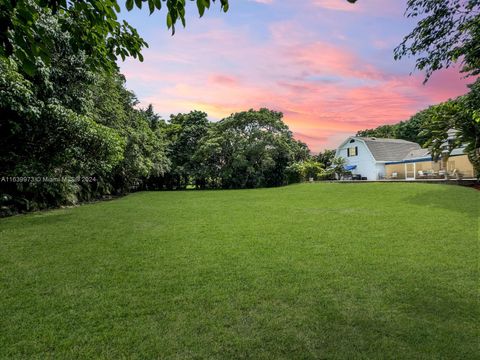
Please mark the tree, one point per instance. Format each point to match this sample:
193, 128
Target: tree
304, 171
460, 117
383, 131
409, 130
67, 122
145, 150
326, 158
249, 149
43, 138
338, 167
154, 120
184, 133
448, 32
93, 25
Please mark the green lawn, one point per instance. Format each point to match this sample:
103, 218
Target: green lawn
313, 271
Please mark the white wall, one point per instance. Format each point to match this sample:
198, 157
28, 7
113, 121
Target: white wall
366, 164
381, 171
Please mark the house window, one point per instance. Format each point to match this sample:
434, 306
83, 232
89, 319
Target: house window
352, 151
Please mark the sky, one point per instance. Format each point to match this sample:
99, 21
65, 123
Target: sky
326, 64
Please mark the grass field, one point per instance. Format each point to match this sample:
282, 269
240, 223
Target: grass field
308, 271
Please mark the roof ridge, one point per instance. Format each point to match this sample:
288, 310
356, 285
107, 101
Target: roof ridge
373, 138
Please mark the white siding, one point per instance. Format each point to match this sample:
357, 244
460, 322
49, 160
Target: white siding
366, 164
380, 171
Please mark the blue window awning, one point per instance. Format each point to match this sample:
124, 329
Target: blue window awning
350, 167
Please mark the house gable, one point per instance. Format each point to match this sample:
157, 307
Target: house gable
357, 154
354, 142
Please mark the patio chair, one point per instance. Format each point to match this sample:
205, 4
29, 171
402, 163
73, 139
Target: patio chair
421, 174
394, 175
457, 174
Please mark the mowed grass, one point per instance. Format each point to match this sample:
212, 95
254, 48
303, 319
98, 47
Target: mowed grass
312, 271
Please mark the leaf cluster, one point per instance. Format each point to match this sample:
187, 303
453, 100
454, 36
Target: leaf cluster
448, 32
93, 25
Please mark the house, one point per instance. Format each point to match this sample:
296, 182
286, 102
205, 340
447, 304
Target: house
376, 159
420, 165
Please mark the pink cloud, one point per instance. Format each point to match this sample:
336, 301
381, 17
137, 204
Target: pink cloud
326, 90
220, 79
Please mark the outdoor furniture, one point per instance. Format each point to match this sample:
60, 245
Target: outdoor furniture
457, 174
428, 174
394, 175
421, 174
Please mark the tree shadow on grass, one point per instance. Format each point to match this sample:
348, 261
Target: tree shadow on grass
458, 199
46, 217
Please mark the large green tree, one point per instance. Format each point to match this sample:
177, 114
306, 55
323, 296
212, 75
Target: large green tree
145, 151
249, 149
326, 157
47, 128
67, 122
409, 130
184, 133
454, 124
43, 137
382, 131
448, 32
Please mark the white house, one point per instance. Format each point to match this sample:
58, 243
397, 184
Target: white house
367, 156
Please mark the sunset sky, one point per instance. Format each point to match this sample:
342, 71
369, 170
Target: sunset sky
326, 64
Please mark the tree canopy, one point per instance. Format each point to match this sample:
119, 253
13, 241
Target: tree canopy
249, 149
448, 32
456, 123
409, 130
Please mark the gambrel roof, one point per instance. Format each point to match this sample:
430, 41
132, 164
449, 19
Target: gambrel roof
389, 149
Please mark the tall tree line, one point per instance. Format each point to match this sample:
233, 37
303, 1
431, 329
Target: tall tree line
71, 133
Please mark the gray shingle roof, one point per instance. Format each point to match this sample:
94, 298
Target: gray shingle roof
389, 149
458, 151
417, 154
